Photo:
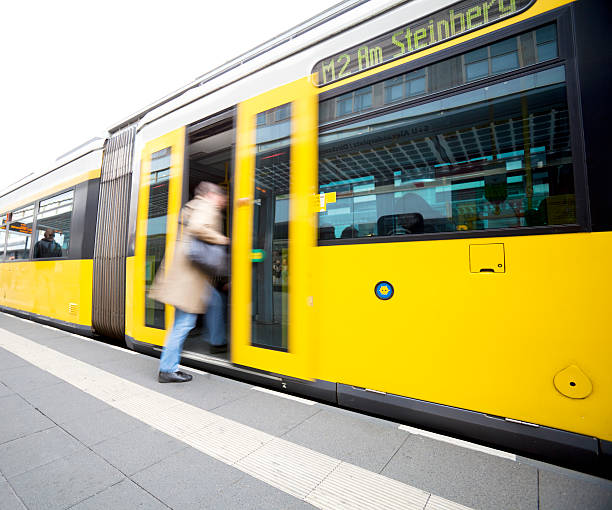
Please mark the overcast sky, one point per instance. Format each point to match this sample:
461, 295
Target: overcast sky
70, 69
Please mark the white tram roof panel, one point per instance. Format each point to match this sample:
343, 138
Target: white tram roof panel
334, 21
87, 156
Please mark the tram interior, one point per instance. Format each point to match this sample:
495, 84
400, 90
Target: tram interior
209, 153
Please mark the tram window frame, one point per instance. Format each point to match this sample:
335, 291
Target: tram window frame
7, 233
565, 57
158, 176
3, 245
66, 254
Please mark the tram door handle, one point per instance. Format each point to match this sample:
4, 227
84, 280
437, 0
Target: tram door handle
487, 258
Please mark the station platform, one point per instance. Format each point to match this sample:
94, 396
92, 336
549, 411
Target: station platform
86, 425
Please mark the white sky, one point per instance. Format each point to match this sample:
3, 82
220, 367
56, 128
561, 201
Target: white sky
70, 69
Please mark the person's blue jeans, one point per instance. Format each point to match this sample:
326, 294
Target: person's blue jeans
215, 318
171, 354
184, 323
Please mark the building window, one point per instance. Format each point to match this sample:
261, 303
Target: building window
477, 64
394, 89
546, 43
363, 99
416, 83
503, 56
344, 105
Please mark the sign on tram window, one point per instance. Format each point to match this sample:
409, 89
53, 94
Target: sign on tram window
440, 26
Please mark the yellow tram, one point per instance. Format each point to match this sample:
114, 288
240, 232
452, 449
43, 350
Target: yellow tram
418, 214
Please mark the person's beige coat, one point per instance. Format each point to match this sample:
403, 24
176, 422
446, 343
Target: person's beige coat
184, 285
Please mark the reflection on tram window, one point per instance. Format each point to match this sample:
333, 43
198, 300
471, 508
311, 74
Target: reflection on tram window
2, 240
506, 55
157, 208
19, 233
494, 157
53, 222
270, 229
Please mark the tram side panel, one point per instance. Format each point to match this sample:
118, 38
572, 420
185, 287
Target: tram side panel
523, 336
53, 290
489, 342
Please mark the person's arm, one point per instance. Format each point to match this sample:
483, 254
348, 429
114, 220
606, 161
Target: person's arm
201, 224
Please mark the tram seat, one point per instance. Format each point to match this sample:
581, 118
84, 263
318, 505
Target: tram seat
327, 233
349, 233
398, 224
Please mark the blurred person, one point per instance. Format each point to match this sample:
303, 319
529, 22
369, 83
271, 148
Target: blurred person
47, 247
186, 287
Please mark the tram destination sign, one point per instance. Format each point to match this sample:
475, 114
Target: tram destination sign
439, 27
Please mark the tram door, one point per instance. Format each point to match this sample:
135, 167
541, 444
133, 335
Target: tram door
274, 231
159, 204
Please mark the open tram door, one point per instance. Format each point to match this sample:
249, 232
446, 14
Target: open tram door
273, 235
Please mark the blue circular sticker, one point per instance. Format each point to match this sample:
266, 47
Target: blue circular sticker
384, 290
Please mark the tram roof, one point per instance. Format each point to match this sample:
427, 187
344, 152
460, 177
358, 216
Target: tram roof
281, 42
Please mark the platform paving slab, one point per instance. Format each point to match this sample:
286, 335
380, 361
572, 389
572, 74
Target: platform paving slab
37, 332
91, 352
268, 413
25, 420
65, 482
558, 491
138, 449
137, 368
100, 426
125, 495
63, 402
35, 450
357, 439
187, 479
8, 498
468, 477
17, 325
254, 494
167, 477
9, 360
27, 377
191, 480
5, 391
207, 391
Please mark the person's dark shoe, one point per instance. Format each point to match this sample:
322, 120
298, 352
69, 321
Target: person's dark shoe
217, 349
178, 376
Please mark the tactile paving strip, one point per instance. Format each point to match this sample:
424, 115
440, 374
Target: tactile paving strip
320, 480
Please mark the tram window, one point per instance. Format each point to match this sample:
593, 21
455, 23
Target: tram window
2, 240
506, 55
53, 222
157, 210
494, 157
270, 289
19, 233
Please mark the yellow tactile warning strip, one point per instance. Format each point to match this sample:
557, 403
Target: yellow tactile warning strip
313, 477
